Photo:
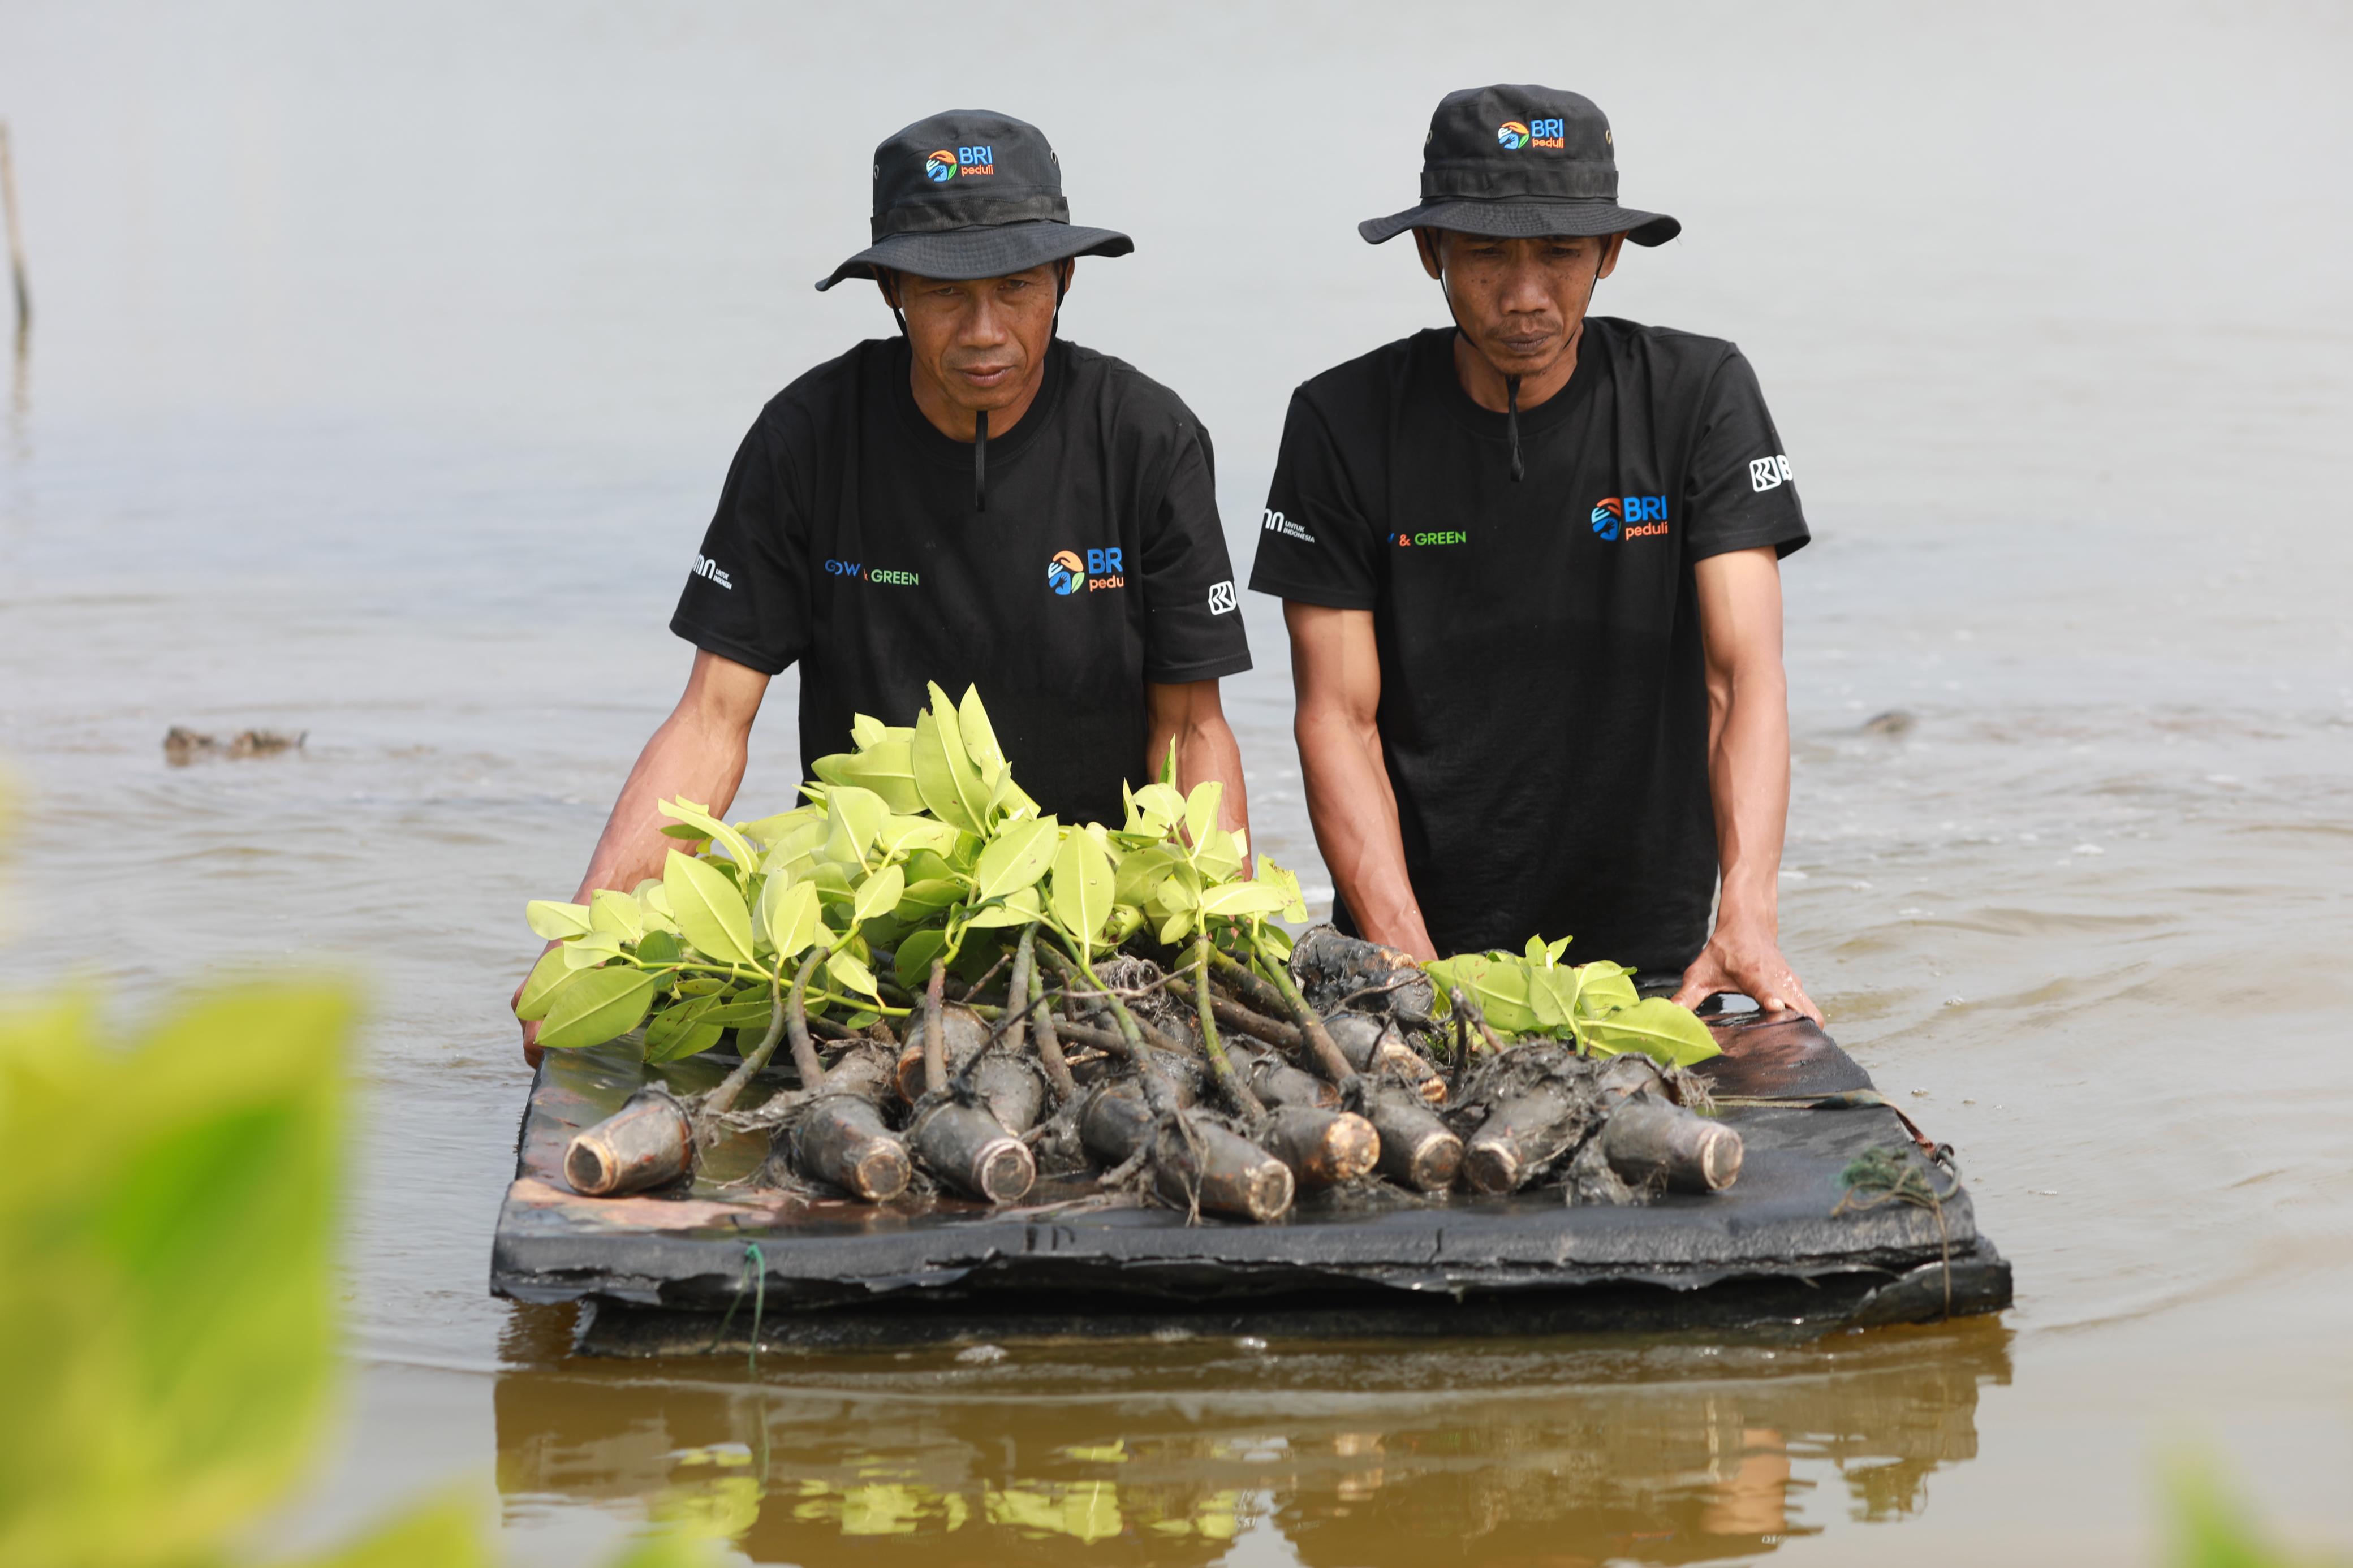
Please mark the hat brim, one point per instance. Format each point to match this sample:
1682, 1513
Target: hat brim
960, 255
1525, 218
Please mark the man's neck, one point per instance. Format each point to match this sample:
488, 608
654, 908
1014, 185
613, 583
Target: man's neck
1485, 384
955, 421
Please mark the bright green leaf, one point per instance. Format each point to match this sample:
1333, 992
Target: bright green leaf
788, 919
903, 838
916, 956
854, 818
1294, 907
929, 897
1080, 894
944, 779
710, 910
594, 1005
1603, 987
849, 973
887, 769
1239, 900
1015, 858
544, 974
878, 894
1656, 1027
971, 789
618, 913
1018, 908
1201, 810
588, 952
1222, 855
555, 921
979, 736
739, 848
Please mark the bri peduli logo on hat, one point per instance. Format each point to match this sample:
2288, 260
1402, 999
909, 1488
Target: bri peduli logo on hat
970, 162
1513, 134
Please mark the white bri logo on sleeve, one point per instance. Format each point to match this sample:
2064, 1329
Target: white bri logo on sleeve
1768, 473
1222, 598
706, 567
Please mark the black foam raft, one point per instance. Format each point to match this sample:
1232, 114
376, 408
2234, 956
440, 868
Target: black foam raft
694, 1269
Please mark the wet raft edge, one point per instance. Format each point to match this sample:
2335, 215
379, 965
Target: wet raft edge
1768, 1250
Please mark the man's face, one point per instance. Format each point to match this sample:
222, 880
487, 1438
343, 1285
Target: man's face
1519, 301
981, 341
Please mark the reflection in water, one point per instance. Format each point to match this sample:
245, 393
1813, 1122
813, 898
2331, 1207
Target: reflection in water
1167, 1452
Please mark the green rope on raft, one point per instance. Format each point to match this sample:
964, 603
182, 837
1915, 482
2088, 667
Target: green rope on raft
755, 1264
1880, 1176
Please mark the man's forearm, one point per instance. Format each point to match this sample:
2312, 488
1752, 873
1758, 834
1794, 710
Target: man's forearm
1209, 751
694, 754
1190, 717
1356, 819
1748, 784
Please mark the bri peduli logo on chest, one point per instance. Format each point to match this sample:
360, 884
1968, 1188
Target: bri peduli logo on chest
888, 576
1067, 573
1630, 516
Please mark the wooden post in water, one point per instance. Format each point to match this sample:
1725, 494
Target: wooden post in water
15, 237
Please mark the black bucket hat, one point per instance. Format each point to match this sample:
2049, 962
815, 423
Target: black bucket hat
967, 195
1517, 162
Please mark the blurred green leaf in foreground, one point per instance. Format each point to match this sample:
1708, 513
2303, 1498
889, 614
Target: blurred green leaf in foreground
2214, 1529
168, 1302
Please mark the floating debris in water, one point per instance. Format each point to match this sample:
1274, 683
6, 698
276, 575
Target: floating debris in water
1250, 1342
182, 746
981, 1355
1895, 721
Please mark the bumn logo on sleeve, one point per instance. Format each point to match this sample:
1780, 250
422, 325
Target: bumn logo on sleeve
1277, 523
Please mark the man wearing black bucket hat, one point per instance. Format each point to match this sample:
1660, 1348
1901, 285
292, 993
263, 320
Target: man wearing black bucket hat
973, 500
1529, 567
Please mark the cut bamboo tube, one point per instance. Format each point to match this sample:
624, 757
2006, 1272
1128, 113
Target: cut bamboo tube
646, 1142
1647, 1139
1323, 1148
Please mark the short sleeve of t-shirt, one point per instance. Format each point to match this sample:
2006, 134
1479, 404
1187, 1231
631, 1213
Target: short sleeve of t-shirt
1316, 542
1193, 629
747, 599
1737, 491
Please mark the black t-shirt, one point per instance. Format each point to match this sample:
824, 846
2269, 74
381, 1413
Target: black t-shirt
847, 539
1544, 710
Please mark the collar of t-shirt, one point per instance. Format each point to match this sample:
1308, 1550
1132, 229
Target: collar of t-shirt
1002, 446
1437, 367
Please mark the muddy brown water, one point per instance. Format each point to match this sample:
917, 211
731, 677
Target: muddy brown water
387, 368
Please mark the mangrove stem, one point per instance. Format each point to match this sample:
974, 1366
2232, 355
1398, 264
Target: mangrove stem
1327, 1057
722, 1098
1237, 1093
1049, 1044
935, 1037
